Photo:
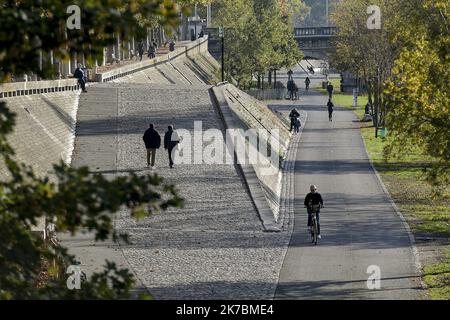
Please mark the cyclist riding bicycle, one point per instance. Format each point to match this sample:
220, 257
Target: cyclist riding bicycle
314, 198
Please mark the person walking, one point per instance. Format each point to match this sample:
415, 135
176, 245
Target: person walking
291, 89
293, 116
151, 51
296, 96
330, 106
307, 83
171, 141
79, 75
290, 74
141, 49
152, 141
330, 90
297, 125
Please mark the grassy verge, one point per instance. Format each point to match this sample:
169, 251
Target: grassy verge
437, 277
429, 218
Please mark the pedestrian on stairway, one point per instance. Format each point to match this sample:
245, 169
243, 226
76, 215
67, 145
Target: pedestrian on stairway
171, 141
152, 141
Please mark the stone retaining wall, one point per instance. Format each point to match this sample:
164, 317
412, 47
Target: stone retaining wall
44, 133
248, 113
192, 49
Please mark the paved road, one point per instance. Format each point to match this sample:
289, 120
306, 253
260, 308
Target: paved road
359, 226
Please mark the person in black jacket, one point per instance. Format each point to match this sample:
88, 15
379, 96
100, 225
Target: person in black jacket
152, 141
330, 90
330, 106
171, 140
141, 49
313, 198
79, 75
307, 83
151, 51
293, 116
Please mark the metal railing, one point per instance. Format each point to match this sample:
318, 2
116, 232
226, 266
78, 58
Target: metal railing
316, 31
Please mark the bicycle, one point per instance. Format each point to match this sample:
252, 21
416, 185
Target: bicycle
314, 209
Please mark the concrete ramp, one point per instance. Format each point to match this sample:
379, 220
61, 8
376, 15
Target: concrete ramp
213, 247
44, 131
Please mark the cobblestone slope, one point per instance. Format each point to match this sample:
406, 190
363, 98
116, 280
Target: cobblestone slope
212, 248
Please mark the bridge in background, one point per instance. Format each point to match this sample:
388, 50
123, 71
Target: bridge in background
315, 42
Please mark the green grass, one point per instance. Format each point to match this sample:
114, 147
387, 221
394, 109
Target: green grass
405, 181
437, 277
427, 216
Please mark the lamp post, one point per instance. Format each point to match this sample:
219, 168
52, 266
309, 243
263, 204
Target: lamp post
208, 15
377, 100
222, 35
195, 21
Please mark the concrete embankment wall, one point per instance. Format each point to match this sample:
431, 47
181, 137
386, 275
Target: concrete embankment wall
187, 65
45, 122
47, 110
44, 133
241, 111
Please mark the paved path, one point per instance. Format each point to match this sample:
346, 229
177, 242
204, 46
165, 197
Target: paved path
159, 52
359, 226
